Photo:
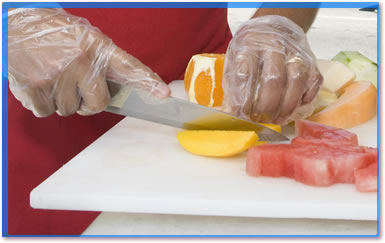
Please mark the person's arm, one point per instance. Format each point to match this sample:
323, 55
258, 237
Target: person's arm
303, 17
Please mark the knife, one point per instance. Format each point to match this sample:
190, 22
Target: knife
180, 113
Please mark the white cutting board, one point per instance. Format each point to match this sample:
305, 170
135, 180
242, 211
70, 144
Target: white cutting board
138, 166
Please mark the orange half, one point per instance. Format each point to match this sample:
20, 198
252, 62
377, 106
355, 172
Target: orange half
203, 79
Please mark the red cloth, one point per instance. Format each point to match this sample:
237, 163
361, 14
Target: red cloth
163, 39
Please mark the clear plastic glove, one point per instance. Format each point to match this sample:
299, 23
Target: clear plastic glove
60, 63
270, 72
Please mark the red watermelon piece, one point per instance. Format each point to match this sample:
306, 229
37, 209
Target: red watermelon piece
268, 160
309, 164
318, 142
349, 159
327, 134
320, 156
366, 179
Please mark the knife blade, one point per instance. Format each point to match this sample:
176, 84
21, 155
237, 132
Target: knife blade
182, 114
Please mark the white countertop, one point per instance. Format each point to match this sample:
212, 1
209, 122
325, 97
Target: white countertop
157, 224
333, 31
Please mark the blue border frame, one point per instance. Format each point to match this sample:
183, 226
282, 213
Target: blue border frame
5, 126
379, 125
8, 5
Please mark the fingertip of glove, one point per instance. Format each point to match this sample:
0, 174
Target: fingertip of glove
162, 91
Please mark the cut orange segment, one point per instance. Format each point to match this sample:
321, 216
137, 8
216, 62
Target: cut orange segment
203, 79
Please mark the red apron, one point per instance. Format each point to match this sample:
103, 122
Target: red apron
163, 39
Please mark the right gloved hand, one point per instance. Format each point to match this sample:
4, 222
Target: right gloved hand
270, 73
60, 63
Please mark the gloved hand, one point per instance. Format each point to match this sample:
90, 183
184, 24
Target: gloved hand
60, 63
270, 71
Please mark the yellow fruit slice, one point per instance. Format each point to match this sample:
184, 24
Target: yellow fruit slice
324, 98
217, 143
220, 143
274, 127
203, 79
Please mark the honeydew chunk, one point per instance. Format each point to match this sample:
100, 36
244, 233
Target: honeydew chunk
363, 67
336, 75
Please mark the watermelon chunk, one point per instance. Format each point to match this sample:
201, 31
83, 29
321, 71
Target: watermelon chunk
327, 134
276, 160
268, 160
312, 166
349, 159
322, 165
366, 179
320, 156
318, 142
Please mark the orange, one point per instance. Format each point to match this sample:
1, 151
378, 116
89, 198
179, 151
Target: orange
203, 79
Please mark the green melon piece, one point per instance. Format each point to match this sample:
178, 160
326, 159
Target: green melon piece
363, 67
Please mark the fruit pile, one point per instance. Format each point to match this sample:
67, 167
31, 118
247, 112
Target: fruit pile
323, 153
347, 98
345, 101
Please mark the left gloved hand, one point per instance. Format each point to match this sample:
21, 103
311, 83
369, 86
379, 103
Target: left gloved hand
270, 72
60, 63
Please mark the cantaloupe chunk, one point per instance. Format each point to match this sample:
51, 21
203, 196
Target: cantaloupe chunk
336, 75
356, 105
